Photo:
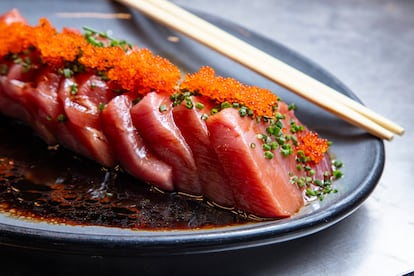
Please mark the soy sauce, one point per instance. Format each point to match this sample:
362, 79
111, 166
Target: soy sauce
53, 184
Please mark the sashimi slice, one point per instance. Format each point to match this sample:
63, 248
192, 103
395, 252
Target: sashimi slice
262, 186
128, 146
9, 106
152, 117
82, 117
191, 122
31, 97
44, 105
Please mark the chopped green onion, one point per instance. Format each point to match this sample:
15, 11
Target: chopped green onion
281, 140
4, 69
67, 72
62, 118
243, 111
338, 164
301, 182
268, 154
225, 105
250, 112
266, 147
310, 192
189, 103
286, 149
163, 108
199, 105
101, 106
337, 174
136, 100
279, 116
103, 75
292, 106
74, 89
318, 182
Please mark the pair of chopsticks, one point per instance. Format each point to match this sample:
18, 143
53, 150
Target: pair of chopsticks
262, 63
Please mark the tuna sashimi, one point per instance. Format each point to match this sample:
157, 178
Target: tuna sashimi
235, 145
44, 104
263, 185
129, 148
152, 116
192, 124
81, 99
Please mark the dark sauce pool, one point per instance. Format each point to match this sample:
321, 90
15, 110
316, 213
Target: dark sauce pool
55, 185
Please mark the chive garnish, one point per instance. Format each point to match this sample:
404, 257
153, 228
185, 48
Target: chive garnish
62, 118
213, 111
101, 106
74, 89
4, 69
67, 73
225, 105
292, 106
199, 105
163, 108
268, 154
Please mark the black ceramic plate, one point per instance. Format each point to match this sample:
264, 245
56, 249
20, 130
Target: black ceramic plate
362, 154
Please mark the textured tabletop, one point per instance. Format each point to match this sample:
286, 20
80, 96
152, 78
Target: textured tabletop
369, 46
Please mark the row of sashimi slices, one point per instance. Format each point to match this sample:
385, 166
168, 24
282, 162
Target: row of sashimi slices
172, 147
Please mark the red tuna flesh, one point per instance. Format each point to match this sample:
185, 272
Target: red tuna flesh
158, 129
215, 183
128, 146
263, 186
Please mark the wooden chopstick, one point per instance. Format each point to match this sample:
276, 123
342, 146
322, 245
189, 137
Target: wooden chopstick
303, 85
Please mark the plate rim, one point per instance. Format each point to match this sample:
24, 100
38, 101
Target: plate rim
213, 240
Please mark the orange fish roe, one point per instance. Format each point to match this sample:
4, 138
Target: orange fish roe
100, 58
60, 48
139, 71
312, 145
135, 70
143, 72
221, 89
14, 38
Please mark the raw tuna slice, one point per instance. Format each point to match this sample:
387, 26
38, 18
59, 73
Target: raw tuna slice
128, 147
82, 98
31, 97
190, 121
10, 105
261, 186
152, 117
44, 105
13, 86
